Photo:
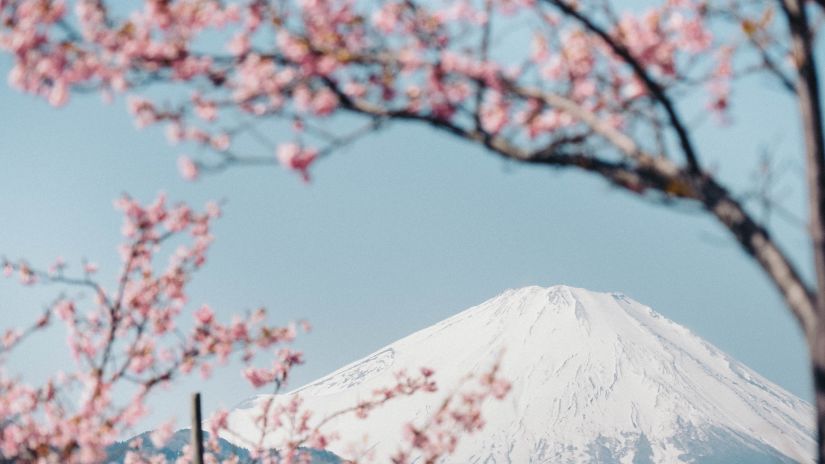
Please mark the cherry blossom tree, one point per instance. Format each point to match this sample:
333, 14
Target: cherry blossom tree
558, 83
130, 339
126, 340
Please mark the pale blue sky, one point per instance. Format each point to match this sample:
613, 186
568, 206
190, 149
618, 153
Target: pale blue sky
395, 233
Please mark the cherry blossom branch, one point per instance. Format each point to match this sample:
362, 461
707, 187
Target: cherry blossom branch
140, 320
289, 423
655, 89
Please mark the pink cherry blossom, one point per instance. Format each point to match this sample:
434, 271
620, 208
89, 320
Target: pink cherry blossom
239, 44
65, 310
205, 109
205, 315
324, 102
188, 168
59, 95
296, 157
220, 142
258, 377
90, 268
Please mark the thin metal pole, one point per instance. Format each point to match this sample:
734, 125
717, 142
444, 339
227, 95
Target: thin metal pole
197, 430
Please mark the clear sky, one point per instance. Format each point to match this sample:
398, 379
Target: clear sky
394, 233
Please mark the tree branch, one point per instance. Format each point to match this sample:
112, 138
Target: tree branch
638, 172
757, 242
807, 89
656, 90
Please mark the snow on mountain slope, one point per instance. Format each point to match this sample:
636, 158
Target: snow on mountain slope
597, 377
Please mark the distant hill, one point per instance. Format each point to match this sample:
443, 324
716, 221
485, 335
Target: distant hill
173, 449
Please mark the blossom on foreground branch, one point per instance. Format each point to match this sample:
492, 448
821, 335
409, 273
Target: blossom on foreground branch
287, 432
126, 341
458, 415
131, 338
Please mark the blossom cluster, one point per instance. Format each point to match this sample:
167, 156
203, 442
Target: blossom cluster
138, 333
298, 430
126, 340
460, 414
305, 61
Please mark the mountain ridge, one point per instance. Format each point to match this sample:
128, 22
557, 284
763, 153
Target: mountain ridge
597, 377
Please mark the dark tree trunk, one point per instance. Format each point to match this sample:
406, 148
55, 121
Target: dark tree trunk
818, 371
810, 109
197, 430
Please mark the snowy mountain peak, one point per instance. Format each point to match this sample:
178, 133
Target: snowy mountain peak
597, 377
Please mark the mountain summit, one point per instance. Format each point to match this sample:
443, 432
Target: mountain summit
597, 377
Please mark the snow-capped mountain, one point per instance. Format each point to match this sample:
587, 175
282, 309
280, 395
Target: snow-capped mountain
597, 377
